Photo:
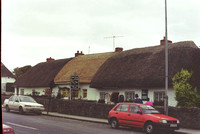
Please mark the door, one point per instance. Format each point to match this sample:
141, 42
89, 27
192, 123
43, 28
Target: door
11, 102
134, 117
121, 112
16, 103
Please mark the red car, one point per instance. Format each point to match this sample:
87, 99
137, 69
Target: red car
7, 129
141, 116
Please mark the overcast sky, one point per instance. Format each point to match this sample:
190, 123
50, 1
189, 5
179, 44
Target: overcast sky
33, 30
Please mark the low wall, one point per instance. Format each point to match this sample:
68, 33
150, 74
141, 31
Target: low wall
189, 117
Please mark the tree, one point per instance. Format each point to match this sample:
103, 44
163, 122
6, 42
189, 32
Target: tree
21, 70
186, 94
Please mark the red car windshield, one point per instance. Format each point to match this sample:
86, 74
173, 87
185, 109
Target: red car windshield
148, 109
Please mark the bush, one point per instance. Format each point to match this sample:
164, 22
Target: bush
186, 95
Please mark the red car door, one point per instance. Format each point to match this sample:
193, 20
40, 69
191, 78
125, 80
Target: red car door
134, 117
121, 112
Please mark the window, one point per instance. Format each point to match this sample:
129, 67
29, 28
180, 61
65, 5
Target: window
159, 96
144, 94
65, 92
75, 93
122, 108
11, 98
22, 91
148, 109
84, 93
129, 96
102, 95
133, 109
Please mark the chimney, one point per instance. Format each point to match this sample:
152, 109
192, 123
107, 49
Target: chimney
49, 59
118, 49
162, 42
77, 54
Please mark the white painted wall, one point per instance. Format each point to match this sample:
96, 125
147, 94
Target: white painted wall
5, 80
171, 93
28, 91
94, 94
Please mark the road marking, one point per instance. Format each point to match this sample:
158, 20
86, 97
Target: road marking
21, 126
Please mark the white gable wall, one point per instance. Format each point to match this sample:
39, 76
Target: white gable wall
29, 91
4, 81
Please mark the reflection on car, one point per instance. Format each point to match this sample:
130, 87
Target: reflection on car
141, 116
23, 104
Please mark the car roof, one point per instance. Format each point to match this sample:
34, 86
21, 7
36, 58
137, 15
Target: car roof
21, 95
131, 103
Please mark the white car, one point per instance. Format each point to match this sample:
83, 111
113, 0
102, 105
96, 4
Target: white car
23, 104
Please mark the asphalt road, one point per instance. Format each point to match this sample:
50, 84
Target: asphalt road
41, 124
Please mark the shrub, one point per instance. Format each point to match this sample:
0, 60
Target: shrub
186, 95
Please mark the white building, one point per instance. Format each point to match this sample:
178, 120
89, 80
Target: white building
39, 79
112, 76
7, 80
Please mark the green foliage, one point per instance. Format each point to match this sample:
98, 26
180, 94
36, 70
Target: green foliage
21, 70
186, 95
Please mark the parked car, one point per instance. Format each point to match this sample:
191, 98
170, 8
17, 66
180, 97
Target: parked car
7, 129
141, 116
23, 104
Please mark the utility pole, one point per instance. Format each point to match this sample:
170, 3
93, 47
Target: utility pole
166, 63
113, 40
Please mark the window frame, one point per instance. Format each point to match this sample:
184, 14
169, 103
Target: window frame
102, 95
144, 95
120, 106
159, 93
84, 93
129, 95
136, 109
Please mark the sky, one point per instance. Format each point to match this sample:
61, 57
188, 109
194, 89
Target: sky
33, 30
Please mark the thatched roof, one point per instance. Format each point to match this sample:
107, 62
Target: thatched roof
5, 72
42, 74
85, 66
145, 67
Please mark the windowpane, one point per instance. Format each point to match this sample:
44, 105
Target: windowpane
159, 96
134, 109
84, 93
129, 96
144, 94
124, 108
102, 95
75, 93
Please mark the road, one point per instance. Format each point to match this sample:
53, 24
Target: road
41, 124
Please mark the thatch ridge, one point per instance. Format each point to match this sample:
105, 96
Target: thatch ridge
144, 67
85, 66
42, 74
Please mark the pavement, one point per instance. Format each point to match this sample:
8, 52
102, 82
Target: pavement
105, 121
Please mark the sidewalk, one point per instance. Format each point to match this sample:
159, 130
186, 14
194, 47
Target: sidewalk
105, 121
82, 118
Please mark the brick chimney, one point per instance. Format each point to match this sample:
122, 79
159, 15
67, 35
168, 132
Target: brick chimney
118, 49
49, 59
77, 54
162, 42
